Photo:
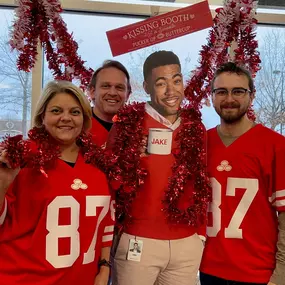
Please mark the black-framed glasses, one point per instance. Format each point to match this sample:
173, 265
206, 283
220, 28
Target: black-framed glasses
235, 92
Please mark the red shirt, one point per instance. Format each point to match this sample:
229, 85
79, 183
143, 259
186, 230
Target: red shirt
248, 188
55, 227
149, 220
98, 132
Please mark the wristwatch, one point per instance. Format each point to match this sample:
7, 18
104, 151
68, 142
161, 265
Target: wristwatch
104, 262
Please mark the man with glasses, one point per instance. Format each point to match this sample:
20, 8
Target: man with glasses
246, 227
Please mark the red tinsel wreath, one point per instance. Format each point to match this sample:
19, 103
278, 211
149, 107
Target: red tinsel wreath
127, 175
41, 151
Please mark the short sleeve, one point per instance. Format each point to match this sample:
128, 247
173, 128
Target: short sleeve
277, 185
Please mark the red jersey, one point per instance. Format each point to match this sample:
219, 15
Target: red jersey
98, 132
149, 220
55, 227
248, 188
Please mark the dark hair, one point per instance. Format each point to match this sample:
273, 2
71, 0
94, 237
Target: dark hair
108, 64
159, 58
233, 68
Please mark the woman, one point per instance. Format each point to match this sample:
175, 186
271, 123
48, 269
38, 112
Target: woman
57, 223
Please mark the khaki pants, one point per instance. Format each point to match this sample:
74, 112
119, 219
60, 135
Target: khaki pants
163, 262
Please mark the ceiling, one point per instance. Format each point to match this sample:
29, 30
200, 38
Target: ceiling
272, 3
150, 8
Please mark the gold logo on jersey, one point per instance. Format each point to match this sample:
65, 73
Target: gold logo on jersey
224, 166
78, 184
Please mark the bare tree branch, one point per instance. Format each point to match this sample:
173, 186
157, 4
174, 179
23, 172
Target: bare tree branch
15, 85
270, 81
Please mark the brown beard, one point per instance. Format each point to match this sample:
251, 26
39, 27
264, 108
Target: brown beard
231, 119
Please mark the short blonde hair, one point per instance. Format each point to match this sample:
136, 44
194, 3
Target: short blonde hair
56, 87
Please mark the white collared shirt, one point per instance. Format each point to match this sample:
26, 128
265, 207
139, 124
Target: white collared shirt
159, 118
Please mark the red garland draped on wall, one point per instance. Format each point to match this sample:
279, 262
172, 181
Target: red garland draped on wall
40, 21
234, 22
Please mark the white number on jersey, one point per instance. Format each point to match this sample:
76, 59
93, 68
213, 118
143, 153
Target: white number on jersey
233, 230
57, 231
92, 202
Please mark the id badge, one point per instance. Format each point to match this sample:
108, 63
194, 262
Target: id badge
135, 250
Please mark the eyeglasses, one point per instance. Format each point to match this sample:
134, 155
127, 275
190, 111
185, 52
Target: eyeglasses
235, 92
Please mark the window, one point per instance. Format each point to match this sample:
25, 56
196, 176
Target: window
270, 80
15, 85
94, 48
271, 3
90, 33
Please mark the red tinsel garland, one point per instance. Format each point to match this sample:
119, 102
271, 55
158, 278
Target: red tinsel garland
41, 21
246, 54
41, 151
234, 22
94, 154
38, 152
127, 175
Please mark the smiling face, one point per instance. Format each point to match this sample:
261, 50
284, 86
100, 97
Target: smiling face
231, 108
63, 118
165, 86
110, 92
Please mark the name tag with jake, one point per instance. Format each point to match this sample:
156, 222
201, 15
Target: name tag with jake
159, 141
135, 250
